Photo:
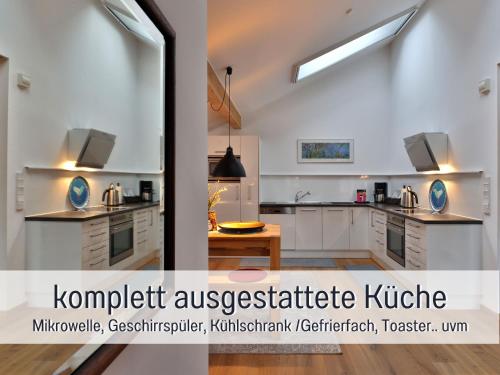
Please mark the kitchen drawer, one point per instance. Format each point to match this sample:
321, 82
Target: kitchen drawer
380, 232
95, 225
141, 245
415, 227
95, 251
415, 250
415, 261
95, 237
416, 239
100, 263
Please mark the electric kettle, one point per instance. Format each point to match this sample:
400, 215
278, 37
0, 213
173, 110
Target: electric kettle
111, 196
409, 198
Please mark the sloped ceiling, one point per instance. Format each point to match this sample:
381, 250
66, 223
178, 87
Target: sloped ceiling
262, 39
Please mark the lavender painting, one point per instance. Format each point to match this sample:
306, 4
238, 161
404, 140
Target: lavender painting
325, 151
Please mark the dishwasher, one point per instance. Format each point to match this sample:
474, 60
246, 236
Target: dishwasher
285, 217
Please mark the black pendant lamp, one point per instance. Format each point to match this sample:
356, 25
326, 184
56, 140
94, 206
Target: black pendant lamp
229, 166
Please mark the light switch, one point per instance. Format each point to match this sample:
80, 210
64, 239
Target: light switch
485, 87
23, 81
486, 196
19, 191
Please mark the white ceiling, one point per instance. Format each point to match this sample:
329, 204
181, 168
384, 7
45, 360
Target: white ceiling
262, 39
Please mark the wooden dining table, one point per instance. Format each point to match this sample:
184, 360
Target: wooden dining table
261, 244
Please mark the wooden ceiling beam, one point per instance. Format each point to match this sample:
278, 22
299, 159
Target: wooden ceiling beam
215, 94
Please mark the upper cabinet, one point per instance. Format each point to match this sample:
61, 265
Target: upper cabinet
217, 145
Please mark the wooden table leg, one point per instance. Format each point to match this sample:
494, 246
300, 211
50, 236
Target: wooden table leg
275, 253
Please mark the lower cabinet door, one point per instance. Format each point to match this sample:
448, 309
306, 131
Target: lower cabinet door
358, 231
308, 228
335, 228
287, 226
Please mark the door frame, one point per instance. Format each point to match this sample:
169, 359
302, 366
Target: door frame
107, 353
4, 105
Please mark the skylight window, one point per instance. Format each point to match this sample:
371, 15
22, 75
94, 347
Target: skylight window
385, 31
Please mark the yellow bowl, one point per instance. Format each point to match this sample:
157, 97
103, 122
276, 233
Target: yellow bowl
241, 227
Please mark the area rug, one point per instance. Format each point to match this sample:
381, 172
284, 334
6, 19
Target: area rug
362, 267
290, 262
275, 349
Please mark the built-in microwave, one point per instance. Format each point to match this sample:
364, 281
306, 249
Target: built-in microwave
212, 162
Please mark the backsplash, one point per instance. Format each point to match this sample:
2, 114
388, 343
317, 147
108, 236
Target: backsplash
464, 190
46, 191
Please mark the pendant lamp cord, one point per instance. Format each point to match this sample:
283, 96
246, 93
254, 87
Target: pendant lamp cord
227, 78
229, 105
223, 97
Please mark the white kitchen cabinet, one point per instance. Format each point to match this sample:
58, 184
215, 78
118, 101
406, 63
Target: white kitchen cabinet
229, 207
217, 145
377, 232
308, 228
287, 224
358, 229
249, 185
67, 245
145, 230
335, 228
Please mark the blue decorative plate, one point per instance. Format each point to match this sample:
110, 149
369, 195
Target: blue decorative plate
79, 193
438, 196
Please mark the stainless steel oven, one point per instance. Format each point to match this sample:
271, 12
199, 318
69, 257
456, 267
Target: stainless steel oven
396, 238
212, 162
121, 237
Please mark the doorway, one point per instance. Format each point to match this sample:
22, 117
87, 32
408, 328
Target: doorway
4, 91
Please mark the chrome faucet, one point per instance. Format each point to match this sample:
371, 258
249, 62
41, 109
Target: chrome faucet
300, 194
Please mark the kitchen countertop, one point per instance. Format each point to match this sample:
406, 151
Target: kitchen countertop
90, 213
421, 215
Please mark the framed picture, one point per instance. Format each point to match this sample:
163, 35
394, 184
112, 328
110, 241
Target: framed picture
325, 150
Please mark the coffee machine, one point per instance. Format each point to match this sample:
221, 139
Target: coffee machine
380, 192
146, 190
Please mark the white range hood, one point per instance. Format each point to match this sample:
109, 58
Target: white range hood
427, 151
90, 147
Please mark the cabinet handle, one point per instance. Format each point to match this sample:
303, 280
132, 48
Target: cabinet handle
380, 222
371, 219
95, 264
412, 249
219, 152
352, 217
99, 223
140, 243
412, 236
410, 224
337, 210
97, 235
308, 209
249, 192
97, 249
382, 233
413, 264
142, 231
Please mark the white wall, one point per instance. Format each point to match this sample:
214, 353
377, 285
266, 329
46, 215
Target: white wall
4, 81
188, 18
351, 101
436, 65
86, 71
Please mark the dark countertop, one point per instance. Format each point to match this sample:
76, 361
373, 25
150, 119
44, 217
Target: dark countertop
90, 213
421, 215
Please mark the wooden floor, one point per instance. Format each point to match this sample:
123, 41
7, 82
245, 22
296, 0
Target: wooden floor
362, 359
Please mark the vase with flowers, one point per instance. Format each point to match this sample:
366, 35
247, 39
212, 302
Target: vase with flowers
214, 197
